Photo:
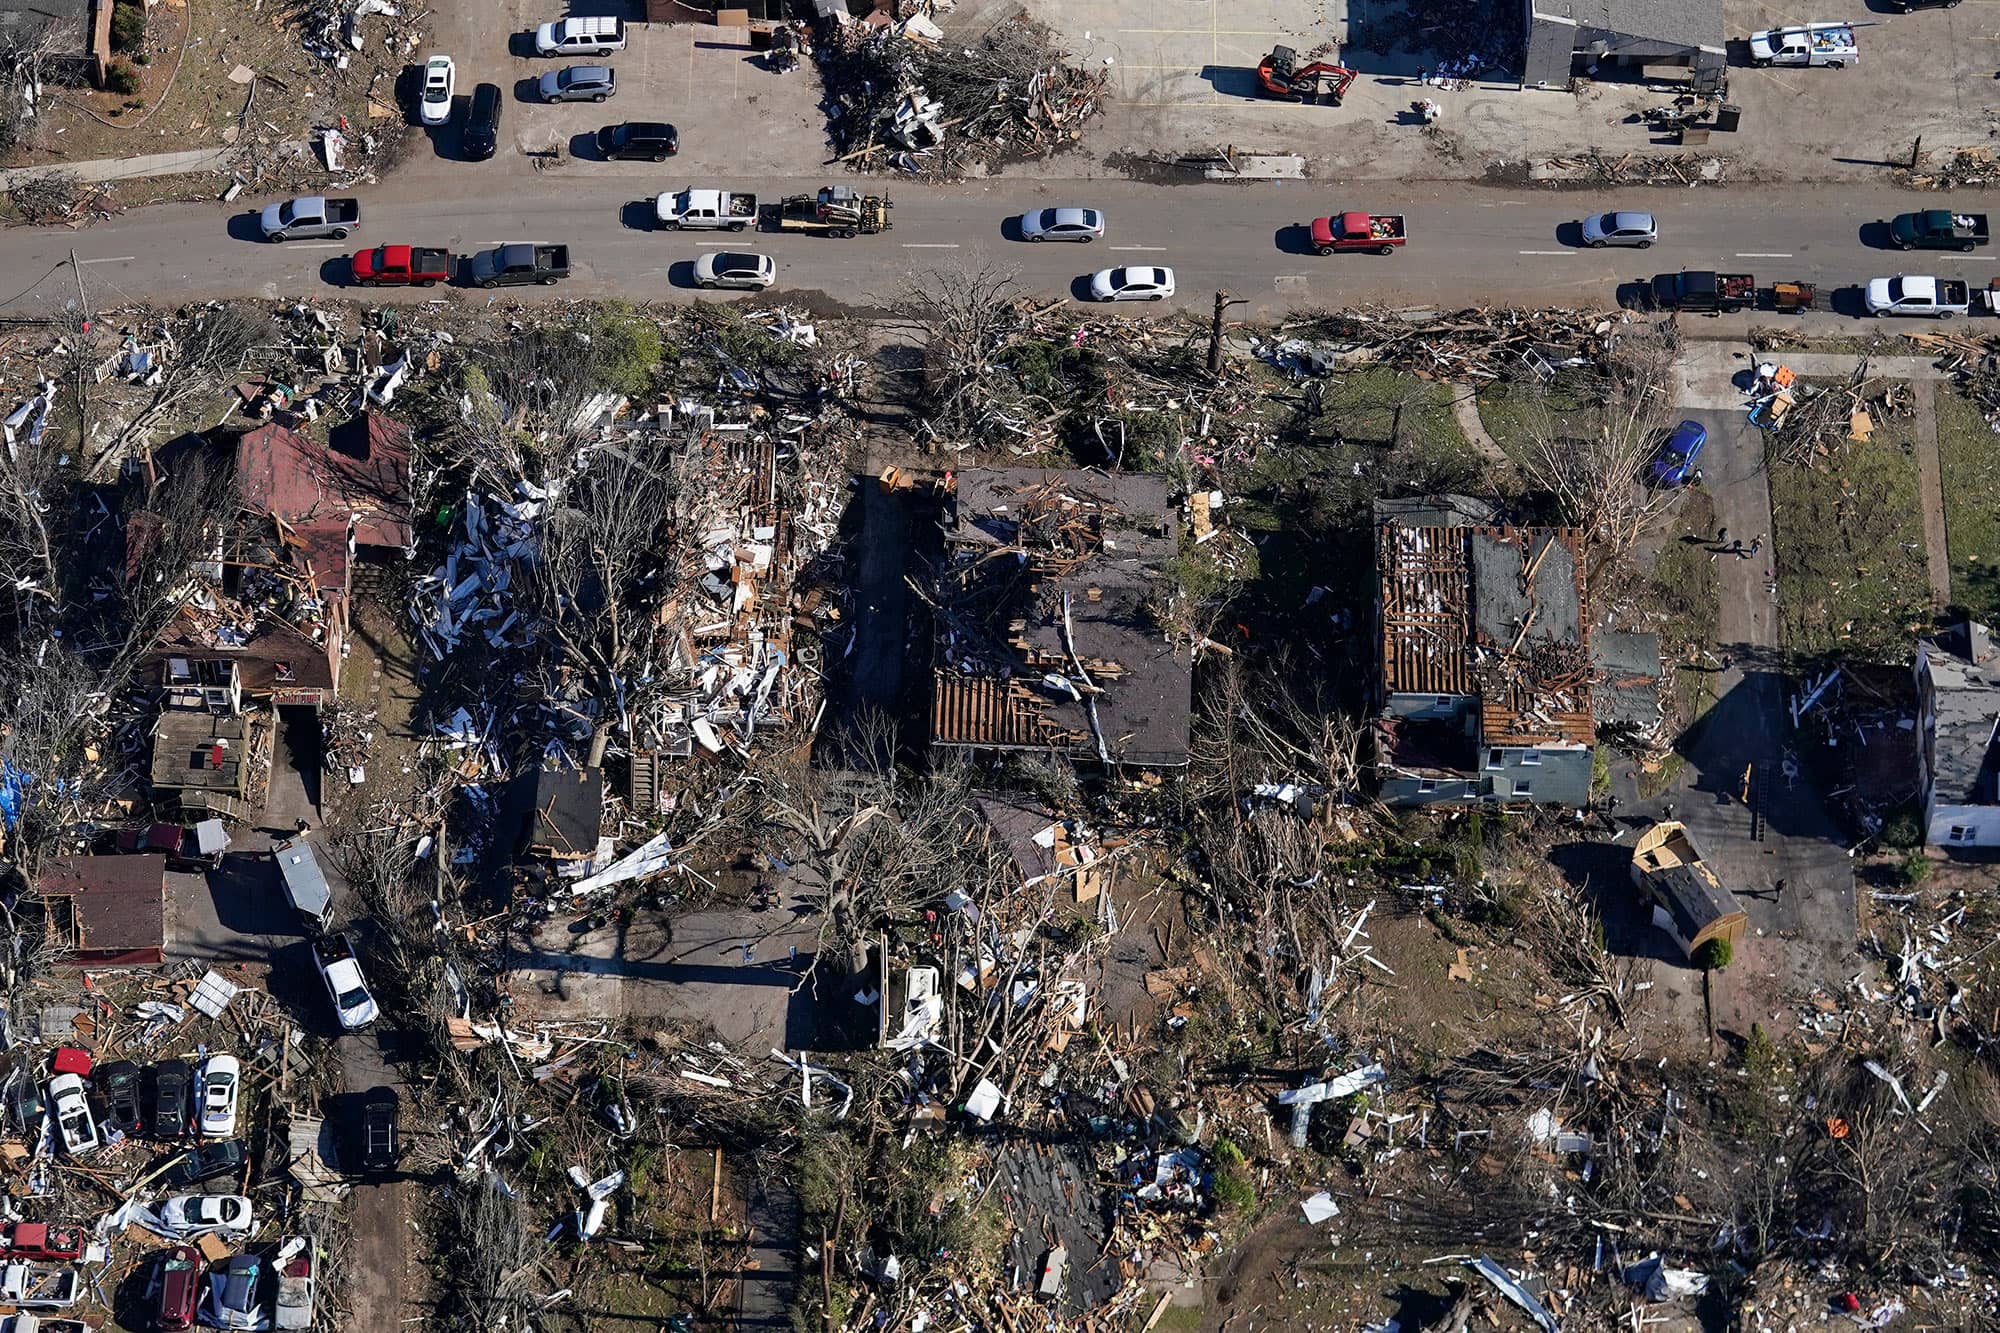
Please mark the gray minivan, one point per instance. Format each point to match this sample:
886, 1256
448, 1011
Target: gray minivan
579, 83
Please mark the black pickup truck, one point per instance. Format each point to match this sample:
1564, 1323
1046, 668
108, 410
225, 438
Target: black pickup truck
1939, 229
1703, 292
519, 265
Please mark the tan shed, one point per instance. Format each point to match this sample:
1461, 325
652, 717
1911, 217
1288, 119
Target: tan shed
1689, 902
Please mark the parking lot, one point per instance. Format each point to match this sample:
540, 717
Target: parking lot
736, 117
1183, 78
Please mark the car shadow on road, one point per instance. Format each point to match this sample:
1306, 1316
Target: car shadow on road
638, 215
1875, 235
1294, 238
528, 91
583, 147
247, 227
337, 271
1010, 228
1570, 235
521, 45
1079, 288
1849, 301
680, 273
249, 898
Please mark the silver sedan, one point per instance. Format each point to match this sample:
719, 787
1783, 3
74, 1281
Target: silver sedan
1062, 224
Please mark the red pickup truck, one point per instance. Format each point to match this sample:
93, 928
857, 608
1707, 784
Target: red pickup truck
41, 1242
403, 266
1380, 232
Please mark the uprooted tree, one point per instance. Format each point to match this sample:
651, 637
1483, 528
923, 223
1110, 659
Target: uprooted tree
608, 562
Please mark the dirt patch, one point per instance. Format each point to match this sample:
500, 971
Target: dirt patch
186, 98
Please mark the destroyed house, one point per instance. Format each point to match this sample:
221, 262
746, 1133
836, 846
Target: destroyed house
1958, 736
207, 758
1587, 37
106, 910
1688, 901
560, 811
1046, 630
75, 33
277, 580
1043, 847
1484, 655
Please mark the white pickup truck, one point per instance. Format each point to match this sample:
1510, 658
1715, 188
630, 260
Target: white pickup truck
1828, 44
705, 210
39, 1286
1913, 294
596, 35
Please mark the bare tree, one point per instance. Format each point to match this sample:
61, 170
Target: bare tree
1596, 479
28, 59
606, 565
969, 319
210, 352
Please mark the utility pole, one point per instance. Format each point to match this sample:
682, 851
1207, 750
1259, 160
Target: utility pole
80, 330
1223, 300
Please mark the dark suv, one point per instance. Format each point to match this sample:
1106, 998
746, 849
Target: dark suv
118, 1083
638, 140
171, 1079
378, 1130
204, 1161
482, 127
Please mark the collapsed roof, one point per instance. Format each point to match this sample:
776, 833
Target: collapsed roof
1048, 634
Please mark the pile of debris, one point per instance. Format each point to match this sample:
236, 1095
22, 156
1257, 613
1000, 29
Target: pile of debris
1808, 421
1637, 168
1968, 168
1468, 345
900, 96
58, 196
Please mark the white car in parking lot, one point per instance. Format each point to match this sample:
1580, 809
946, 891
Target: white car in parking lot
1133, 283
193, 1214
217, 1084
440, 83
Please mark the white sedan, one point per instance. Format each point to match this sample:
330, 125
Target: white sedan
1132, 284
1062, 224
194, 1214
440, 82
220, 1077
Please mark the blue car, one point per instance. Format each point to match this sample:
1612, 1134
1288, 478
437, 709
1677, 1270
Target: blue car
1673, 465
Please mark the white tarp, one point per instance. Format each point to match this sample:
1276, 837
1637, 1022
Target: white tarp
1320, 1208
655, 855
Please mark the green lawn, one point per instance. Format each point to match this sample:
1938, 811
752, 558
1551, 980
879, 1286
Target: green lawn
1513, 412
1851, 576
1969, 460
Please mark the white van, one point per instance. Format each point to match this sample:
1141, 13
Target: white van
581, 37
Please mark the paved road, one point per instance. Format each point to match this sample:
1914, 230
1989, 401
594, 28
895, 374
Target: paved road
1469, 245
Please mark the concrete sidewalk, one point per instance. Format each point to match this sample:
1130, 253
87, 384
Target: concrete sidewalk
132, 168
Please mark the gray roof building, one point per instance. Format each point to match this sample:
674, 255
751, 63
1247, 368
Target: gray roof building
1567, 37
1958, 698
1484, 653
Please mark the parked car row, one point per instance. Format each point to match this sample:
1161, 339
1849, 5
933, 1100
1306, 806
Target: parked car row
88, 1103
245, 1291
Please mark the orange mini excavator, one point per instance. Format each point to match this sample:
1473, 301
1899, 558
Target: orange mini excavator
1281, 76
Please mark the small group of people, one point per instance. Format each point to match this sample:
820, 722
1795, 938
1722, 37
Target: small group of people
1722, 545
